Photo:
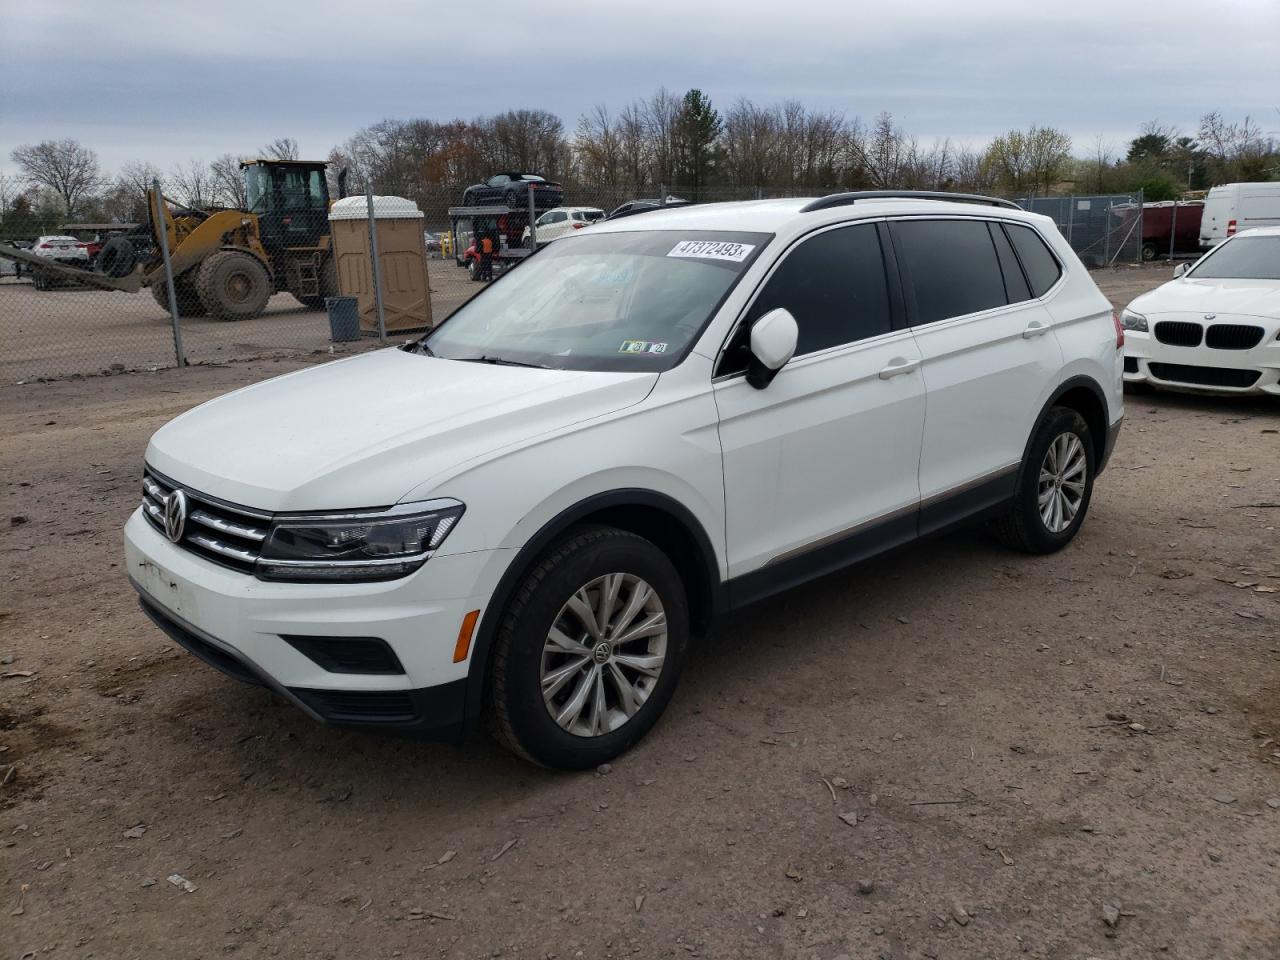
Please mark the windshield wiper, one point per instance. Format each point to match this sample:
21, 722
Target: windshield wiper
501, 361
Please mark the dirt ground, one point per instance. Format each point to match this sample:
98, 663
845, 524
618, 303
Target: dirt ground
953, 752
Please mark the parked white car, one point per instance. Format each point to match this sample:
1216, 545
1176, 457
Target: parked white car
563, 221
527, 513
1236, 207
1216, 326
62, 249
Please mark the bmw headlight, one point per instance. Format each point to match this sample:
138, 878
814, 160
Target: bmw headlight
1133, 321
356, 547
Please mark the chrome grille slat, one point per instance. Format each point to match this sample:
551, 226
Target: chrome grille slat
221, 548
222, 533
256, 534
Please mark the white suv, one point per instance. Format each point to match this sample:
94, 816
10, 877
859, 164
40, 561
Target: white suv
527, 513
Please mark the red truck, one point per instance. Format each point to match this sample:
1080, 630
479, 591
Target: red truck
1176, 220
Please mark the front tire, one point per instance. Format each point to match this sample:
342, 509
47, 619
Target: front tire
232, 285
1055, 485
589, 650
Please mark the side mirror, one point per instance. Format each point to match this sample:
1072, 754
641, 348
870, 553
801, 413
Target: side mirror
773, 343
1180, 269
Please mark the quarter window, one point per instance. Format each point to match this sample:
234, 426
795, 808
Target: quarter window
834, 284
1041, 265
952, 268
1015, 284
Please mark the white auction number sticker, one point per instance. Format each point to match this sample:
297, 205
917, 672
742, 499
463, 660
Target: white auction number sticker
712, 250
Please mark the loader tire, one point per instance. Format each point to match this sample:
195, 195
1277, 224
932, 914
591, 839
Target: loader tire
117, 258
232, 285
189, 304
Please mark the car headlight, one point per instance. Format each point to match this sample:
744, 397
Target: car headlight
356, 547
1133, 321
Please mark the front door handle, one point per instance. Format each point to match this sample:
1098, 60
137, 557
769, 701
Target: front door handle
898, 366
1035, 329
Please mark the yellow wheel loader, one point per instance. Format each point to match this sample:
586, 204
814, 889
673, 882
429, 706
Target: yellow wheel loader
227, 263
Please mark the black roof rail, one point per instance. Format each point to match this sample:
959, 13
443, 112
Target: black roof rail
844, 199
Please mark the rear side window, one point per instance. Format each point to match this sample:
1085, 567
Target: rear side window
834, 284
1041, 265
1015, 284
952, 267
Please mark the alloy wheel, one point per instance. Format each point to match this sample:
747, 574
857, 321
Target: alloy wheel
604, 654
1062, 482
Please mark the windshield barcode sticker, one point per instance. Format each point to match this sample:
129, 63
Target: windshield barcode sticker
712, 250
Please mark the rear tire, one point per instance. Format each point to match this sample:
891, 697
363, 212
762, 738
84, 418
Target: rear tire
1149, 251
184, 288
601, 697
232, 285
1055, 485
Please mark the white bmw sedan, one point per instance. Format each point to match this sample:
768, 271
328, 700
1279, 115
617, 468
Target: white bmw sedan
1216, 325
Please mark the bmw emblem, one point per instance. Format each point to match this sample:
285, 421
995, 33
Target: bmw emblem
1210, 316
175, 515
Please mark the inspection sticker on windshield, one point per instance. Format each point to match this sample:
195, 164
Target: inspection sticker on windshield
712, 250
642, 346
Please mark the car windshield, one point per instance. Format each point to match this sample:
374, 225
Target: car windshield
1244, 258
614, 301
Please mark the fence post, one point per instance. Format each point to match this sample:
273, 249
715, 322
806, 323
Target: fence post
662, 194
1106, 235
1173, 228
1071, 217
162, 229
377, 267
533, 227
1142, 212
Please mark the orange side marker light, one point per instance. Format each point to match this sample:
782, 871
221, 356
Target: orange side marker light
463, 646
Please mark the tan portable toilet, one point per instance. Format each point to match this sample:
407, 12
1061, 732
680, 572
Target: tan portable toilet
402, 261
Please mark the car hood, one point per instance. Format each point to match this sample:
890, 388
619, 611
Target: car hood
364, 432
1250, 298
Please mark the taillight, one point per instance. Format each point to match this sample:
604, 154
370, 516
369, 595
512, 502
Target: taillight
82, 246
577, 225
46, 246
1231, 228
1115, 321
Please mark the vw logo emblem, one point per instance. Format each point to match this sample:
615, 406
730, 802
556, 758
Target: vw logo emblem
602, 652
175, 515
1210, 316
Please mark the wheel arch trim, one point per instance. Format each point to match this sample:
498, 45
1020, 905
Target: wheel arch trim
478, 668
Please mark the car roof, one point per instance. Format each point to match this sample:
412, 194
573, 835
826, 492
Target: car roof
1258, 232
776, 216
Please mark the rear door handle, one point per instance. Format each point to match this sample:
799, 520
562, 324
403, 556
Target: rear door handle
1035, 329
898, 366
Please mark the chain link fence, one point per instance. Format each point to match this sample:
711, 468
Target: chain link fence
253, 283
1103, 229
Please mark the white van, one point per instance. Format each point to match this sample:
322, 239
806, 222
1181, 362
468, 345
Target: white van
1236, 207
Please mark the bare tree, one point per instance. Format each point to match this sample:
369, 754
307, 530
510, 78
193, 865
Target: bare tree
226, 182
192, 184
281, 148
598, 143
64, 166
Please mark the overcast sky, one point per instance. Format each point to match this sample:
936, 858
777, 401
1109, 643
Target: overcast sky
179, 80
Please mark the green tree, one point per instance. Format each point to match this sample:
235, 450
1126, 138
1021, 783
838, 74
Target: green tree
698, 127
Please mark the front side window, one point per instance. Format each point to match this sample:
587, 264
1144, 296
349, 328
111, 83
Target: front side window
1041, 265
614, 301
559, 217
1244, 258
951, 267
834, 285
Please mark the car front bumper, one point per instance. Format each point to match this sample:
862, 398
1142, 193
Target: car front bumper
1205, 369
239, 625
